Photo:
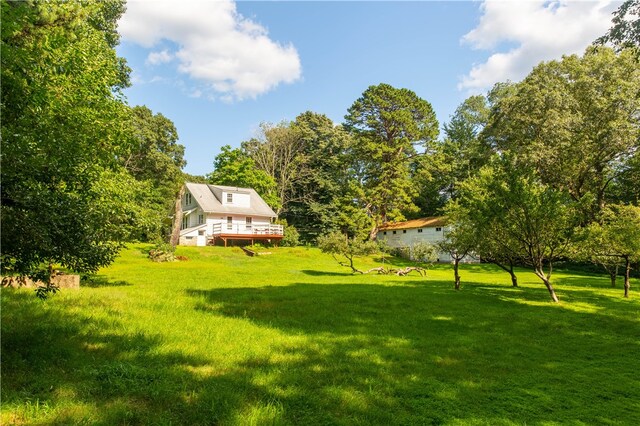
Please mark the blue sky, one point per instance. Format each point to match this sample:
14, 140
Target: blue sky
219, 69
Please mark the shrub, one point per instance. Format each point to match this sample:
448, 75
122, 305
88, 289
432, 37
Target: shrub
162, 252
291, 235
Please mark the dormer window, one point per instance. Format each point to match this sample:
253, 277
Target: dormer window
187, 198
229, 198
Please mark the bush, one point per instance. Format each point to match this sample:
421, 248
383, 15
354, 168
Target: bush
162, 252
291, 235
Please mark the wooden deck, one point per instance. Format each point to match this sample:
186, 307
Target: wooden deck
246, 237
271, 233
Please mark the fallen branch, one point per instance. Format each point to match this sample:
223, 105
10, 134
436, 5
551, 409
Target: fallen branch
408, 270
379, 270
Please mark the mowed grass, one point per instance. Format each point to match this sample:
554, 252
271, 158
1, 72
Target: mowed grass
293, 338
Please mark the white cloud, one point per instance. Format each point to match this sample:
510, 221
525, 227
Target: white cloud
540, 31
161, 57
229, 53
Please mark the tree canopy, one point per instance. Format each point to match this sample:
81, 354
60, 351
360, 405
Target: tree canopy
78, 164
575, 121
388, 124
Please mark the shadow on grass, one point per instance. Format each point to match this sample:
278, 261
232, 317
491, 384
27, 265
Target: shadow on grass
427, 354
417, 353
315, 273
95, 281
51, 356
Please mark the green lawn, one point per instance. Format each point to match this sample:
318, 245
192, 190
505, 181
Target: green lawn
293, 338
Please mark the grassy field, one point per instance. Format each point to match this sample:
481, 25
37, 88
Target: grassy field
293, 338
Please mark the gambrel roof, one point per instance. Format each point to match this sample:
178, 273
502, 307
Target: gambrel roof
209, 198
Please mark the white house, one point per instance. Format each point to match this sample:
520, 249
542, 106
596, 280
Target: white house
427, 229
213, 213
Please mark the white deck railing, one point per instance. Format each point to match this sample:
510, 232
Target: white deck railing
241, 229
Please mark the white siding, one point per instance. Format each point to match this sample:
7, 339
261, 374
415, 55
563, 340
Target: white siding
192, 219
238, 199
408, 237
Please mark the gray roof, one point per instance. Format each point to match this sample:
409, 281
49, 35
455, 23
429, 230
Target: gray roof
209, 199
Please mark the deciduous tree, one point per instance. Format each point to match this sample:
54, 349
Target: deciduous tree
534, 221
575, 121
277, 151
616, 235
234, 167
339, 245
322, 194
65, 199
625, 31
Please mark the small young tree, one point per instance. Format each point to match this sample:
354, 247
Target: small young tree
617, 235
339, 245
458, 242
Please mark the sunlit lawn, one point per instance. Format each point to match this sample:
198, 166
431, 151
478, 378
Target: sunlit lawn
293, 338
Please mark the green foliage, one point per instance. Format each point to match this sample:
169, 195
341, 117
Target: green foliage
463, 151
303, 169
424, 253
322, 194
613, 241
340, 245
233, 167
155, 159
617, 233
507, 213
575, 121
625, 31
163, 252
277, 152
458, 242
64, 127
291, 235
388, 124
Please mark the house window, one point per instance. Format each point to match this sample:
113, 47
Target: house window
419, 229
394, 232
404, 231
201, 232
200, 219
229, 198
384, 233
248, 224
185, 222
438, 229
229, 223
187, 199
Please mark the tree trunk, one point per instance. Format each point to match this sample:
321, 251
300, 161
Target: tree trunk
456, 275
514, 279
373, 234
613, 274
545, 279
177, 219
627, 274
